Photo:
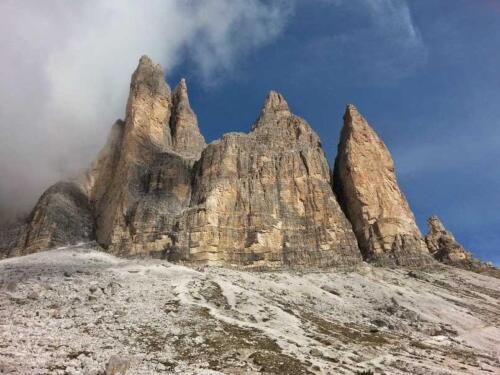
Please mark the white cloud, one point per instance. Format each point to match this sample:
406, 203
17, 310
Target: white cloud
65, 68
394, 17
383, 44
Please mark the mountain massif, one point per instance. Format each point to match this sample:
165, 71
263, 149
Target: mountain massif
266, 199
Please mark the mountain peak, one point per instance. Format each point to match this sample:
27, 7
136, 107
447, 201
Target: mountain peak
145, 60
262, 199
148, 78
435, 225
366, 184
180, 95
275, 108
353, 118
275, 102
187, 138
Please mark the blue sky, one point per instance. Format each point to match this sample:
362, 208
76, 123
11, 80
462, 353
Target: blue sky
426, 75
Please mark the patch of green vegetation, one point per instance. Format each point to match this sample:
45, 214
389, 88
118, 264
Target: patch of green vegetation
224, 345
421, 345
212, 293
344, 332
150, 338
278, 363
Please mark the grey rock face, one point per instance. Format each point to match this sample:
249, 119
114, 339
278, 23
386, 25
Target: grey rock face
62, 216
366, 185
10, 233
149, 176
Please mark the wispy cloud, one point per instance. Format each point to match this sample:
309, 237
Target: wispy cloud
394, 18
382, 43
65, 68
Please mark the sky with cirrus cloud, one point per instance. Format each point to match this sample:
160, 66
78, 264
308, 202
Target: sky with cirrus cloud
424, 73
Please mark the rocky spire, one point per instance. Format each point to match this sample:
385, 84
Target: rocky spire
148, 112
445, 248
443, 245
146, 135
187, 138
275, 108
366, 185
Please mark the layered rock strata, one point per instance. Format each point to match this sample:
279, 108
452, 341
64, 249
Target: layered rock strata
147, 178
260, 200
264, 199
366, 186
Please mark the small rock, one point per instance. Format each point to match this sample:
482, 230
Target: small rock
331, 290
11, 286
379, 322
316, 352
117, 365
33, 295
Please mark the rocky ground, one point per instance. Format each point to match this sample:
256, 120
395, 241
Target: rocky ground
75, 310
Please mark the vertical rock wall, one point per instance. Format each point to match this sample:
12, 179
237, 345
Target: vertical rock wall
264, 199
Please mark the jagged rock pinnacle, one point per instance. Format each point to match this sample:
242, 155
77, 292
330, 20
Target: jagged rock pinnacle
366, 185
148, 110
186, 135
275, 102
262, 199
274, 110
145, 60
442, 244
148, 78
352, 116
180, 97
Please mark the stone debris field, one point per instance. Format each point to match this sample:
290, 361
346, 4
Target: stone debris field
77, 310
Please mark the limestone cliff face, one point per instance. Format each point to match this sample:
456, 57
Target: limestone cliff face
62, 216
187, 139
366, 185
146, 179
258, 200
145, 134
264, 199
